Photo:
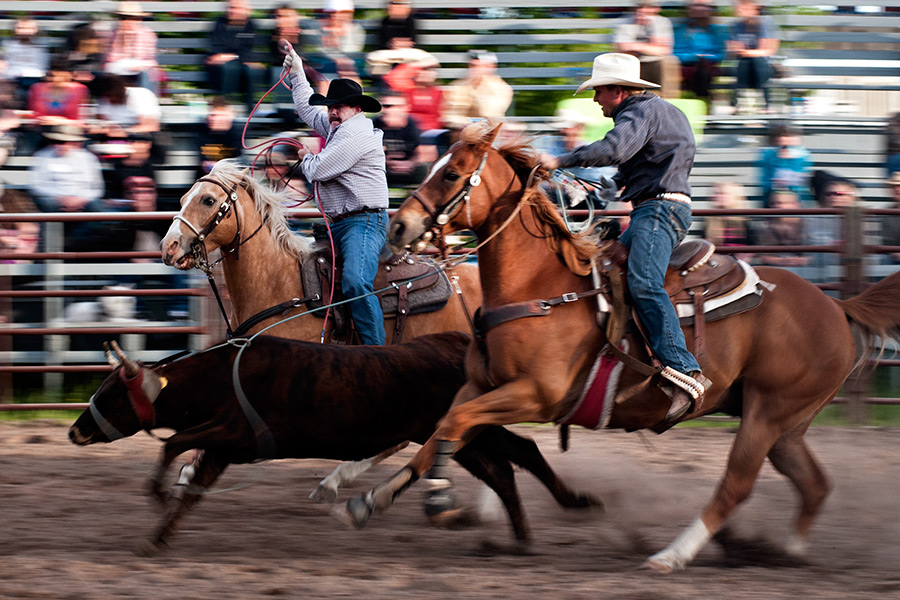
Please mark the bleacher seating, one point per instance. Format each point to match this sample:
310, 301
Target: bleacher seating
537, 48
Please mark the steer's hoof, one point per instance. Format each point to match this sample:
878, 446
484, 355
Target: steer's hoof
148, 549
323, 495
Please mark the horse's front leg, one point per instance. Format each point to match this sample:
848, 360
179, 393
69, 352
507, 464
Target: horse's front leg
346, 472
514, 402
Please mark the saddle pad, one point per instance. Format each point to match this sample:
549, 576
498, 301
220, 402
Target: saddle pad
595, 404
750, 285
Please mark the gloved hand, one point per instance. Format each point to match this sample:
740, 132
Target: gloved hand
292, 61
607, 189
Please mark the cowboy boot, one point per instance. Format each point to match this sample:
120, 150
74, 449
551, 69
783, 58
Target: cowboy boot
687, 398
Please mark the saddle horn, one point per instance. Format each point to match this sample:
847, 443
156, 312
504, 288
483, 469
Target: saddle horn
131, 367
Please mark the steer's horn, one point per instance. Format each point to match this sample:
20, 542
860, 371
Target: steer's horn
131, 367
112, 360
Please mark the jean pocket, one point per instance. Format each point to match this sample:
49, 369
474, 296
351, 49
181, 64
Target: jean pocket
680, 219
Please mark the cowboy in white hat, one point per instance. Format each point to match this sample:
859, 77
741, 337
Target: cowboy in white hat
653, 146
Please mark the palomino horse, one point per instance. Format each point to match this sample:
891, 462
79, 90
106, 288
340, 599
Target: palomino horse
775, 366
262, 261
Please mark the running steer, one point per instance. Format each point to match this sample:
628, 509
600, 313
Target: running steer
291, 399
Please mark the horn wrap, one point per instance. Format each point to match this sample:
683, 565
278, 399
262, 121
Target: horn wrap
131, 367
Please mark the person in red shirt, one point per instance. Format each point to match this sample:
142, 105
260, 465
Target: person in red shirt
58, 96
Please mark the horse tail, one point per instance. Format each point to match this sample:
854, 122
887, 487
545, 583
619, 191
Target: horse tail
876, 314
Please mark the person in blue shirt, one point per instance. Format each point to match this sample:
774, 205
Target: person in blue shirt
785, 165
699, 47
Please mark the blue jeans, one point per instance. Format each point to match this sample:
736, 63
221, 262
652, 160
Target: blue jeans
359, 239
752, 73
656, 227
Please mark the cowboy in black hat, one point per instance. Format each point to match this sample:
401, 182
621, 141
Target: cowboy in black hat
350, 184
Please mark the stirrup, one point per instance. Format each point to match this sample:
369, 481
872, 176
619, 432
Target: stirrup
695, 389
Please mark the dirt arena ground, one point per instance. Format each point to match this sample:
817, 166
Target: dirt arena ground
72, 516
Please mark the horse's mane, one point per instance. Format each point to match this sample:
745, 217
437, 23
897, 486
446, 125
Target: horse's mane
576, 250
269, 204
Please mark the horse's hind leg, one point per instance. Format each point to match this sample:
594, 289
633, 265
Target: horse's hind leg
751, 445
525, 453
346, 472
792, 458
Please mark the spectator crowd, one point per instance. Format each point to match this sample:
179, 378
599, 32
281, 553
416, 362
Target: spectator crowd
90, 111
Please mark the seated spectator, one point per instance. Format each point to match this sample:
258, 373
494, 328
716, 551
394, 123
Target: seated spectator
9, 122
398, 27
287, 27
22, 237
136, 163
132, 51
699, 47
480, 94
786, 230
58, 97
395, 69
342, 40
425, 98
753, 41
230, 63
125, 109
831, 191
892, 139
220, 136
648, 36
64, 177
890, 226
728, 230
23, 61
85, 51
785, 164
401, 141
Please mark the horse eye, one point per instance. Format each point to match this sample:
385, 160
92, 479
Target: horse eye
451, 176
207, 201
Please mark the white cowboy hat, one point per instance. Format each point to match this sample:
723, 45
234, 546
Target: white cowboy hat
131, 9
613, 68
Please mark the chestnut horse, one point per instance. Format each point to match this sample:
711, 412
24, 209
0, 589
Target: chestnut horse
775, 366
262, 258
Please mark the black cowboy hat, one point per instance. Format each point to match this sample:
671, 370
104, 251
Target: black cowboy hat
346, 91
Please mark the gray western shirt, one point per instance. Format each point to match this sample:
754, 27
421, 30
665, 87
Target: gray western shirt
652, 145
350, 170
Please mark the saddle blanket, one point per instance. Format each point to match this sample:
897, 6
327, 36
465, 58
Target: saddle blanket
750, 286
595, 404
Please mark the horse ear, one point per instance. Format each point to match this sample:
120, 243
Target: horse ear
494, 130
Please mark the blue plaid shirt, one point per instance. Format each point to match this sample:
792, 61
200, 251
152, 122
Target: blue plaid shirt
651, 143
349, 171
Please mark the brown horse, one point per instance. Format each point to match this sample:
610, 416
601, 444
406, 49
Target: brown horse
776, 366
262, 261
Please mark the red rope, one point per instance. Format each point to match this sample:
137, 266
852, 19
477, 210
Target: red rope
267, 149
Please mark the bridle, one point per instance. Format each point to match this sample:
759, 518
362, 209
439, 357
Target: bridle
442, 215
449, 210
198, 246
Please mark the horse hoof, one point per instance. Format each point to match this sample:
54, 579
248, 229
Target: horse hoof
355, 513
663, 564
148, 549
323, 495
455, 518
440, 499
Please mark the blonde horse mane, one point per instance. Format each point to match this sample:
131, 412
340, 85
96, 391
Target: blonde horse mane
269, 204
576, 250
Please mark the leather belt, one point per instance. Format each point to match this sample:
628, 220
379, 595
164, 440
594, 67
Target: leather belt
676, 197
353, 213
